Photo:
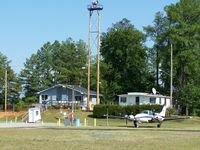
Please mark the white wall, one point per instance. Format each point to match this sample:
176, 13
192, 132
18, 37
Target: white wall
131, 100
144, 100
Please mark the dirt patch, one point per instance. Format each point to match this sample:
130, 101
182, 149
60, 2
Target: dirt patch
11, 114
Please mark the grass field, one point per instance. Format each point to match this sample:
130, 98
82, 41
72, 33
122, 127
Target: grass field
98, 139
173, 135
52, 114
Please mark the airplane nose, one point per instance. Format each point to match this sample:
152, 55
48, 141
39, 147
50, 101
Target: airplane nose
131, 117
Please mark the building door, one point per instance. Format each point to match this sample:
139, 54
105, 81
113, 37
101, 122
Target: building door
137, 100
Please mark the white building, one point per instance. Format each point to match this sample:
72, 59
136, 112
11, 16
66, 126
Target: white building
138, 98
34, 115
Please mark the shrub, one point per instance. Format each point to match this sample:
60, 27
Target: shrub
198, 112
117, 110
130, 109
19, 105
100, 110
31, 100
169, 112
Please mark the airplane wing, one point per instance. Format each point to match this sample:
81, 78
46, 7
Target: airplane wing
115, 117
175, 118
118, 117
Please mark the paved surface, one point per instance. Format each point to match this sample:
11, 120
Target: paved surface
51, 126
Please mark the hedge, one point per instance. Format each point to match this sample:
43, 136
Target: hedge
100, 111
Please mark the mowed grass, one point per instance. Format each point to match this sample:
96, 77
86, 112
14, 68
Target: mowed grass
97, 139
173, 135
51, 115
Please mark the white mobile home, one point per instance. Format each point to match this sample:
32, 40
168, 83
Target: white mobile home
138, 98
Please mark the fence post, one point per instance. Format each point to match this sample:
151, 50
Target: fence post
15, 119
58, 122
85, 122
95, 122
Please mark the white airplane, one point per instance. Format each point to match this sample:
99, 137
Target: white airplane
148, 116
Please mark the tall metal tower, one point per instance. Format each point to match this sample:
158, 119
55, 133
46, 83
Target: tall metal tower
92, 39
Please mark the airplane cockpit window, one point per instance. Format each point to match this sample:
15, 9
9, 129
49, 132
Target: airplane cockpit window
151, 113
145, 112
148, 112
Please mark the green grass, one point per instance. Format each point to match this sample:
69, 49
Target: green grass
173, 135
52, 114
78, 138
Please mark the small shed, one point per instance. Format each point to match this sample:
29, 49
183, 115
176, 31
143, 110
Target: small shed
34, 115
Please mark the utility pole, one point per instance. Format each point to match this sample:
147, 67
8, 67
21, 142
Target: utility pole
73, 105
89, 49
91, 8
98, 58
171, 75
157, 66
6, 89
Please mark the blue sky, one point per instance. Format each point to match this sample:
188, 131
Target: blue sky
25, 25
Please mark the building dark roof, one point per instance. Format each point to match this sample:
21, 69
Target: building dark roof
80, 89
77, 88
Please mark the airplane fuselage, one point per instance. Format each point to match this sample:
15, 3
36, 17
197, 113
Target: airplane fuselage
144, 118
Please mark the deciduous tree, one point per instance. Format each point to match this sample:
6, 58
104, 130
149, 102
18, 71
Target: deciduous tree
125, 60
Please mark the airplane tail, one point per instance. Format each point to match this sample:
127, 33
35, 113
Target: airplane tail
163, 112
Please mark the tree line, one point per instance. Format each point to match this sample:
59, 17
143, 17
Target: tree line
127, 64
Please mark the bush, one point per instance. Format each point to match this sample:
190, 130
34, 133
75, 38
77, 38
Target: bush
198, 112
169, 112
116, 110
100, 110
31, 100
19, 105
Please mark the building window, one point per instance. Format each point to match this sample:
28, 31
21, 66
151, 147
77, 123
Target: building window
54, 97
64, 97
93, 96
137, 100
37, 113
152, 100
44, 97
78, 98
123, 100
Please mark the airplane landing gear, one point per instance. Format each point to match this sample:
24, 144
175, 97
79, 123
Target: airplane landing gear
136, 125
158, 125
